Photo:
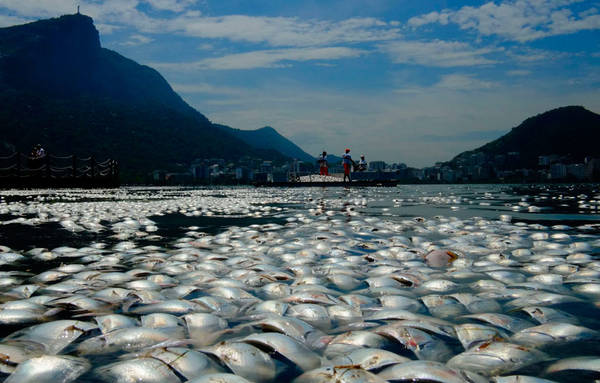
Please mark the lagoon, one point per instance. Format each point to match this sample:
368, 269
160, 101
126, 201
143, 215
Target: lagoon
478, 281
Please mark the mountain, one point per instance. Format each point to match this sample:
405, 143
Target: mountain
570, 131
60, 88
269, 138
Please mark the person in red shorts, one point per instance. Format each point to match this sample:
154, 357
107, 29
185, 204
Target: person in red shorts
323, 170
347, 162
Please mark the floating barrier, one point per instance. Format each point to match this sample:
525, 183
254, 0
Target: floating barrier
19, 170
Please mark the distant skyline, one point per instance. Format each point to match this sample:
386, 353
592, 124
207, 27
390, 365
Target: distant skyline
398, 80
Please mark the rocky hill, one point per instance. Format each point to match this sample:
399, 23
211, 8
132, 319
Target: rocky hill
60, 88
572, 132
269, 138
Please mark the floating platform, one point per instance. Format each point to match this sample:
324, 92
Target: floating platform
361, 183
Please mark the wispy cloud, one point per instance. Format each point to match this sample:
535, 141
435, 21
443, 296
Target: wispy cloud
272, 31
171, 5
475, 135
204, 88
518, 72
264, 59
518, 20
463, 82
6, 20
136, 39
437, 53
527, 55
284, 31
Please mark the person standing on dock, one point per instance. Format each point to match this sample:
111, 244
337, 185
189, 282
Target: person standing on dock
323, 170
362, 164
347, 162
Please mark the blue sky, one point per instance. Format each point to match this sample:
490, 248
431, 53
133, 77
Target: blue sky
398, 80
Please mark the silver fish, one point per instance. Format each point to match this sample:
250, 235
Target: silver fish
553, 333
339, 374
49, 369
245, 360
293, 350
428, 371
494, 358
220, 378
147, 370
369, 359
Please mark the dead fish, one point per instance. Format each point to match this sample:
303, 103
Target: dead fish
421, 344
428, 371
270, 306
220, 378
520, 379
54, 336
205, 328
245, 360
20, 316
125, 339
541, 299
312, 297
553, 333
547, 314
290, 348
339, 374
49, 369
188, 363
12, 354
313, 314
147, 370
293, 327
475, 304
495, 358
108, 323
441, 258
361, 339
579, 363
174, 306
471, 334
503, 321
401, 302
369, 359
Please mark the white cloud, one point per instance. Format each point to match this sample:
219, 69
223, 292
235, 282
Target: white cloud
40, 8
264, 58
463, 82
272, 31
437, 53
135, 40
6, 21
529, 55
204, 88
171, 5
518, 72
300, 111
284, 31
517, 20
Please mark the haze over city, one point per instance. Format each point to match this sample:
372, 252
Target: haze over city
401, 81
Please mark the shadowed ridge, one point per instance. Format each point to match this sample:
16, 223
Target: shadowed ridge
60, 88
569, 130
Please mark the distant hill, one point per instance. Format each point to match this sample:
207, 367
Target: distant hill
269, 138
60, 88
570, 131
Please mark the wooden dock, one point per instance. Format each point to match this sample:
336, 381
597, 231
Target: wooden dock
22, 171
